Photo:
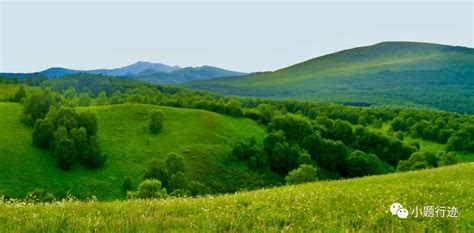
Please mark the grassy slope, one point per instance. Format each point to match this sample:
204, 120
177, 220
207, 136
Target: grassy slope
397, 73
332, 206
201, 136
9, 90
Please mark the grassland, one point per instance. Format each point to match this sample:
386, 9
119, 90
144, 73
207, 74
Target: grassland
355, 205
204, 139
390, 73
9, 90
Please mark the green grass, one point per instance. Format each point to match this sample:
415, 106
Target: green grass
202, 137
8, 90
391, 73
355, 205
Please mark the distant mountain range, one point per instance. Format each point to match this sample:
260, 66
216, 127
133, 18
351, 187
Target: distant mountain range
389, 73
143, 71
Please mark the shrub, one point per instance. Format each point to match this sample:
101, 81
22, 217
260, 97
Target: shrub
43, 133
157, 170
127, 184
174, 163
447, 158
149, 189
305, 173
155, 122
361, 164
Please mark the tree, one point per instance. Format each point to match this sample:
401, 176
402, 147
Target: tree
65, 151
341, 130
305, 173
70, 93
81, 142
149, 189
233, 108
37, 105
43, 133
157, 170
174, 163
447, 158
93, 158
296, 127
84, 99
455, 143
67, 117
102, 98
197, 188
179, 181
304, 158
274, 137
89, 121
362, 164
19, 94
155, 122
418, 160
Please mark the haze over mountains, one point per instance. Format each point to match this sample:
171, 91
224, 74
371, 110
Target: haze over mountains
144, 71
392, 73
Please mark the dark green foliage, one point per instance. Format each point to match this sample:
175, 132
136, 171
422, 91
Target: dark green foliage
127, 184
174, 163
65, 151
157, 170
66, 117
447, 158
93, 158
273, 138
179, 183
362, 164
418, 160
233, 108
296, 127
37, 105
198, 189
387, 149
43, 133
305, 158
149, 189
88, 120
305, 173
19, 94
84, 99
40, 195
341, 130
155, 121
81, 141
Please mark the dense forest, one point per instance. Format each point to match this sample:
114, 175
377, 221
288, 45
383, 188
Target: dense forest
305, 141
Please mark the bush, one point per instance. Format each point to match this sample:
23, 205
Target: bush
418, 160
93, 158
179, 181
19, 94
43, 133
305, 173
157, 170
361, 164
155, 122
127, 184
65, 151
149, 189
447, 158
174, 163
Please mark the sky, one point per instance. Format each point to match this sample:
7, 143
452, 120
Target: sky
241, 36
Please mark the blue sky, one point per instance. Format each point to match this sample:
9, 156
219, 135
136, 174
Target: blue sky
243, 36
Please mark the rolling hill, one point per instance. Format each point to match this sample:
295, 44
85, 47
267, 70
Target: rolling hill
202, 137
354, 205
388, 73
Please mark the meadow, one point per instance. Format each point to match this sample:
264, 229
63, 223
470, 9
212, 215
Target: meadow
202, 137
353, 205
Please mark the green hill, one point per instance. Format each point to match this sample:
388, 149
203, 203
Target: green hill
355, 205
389, 73
202, 137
